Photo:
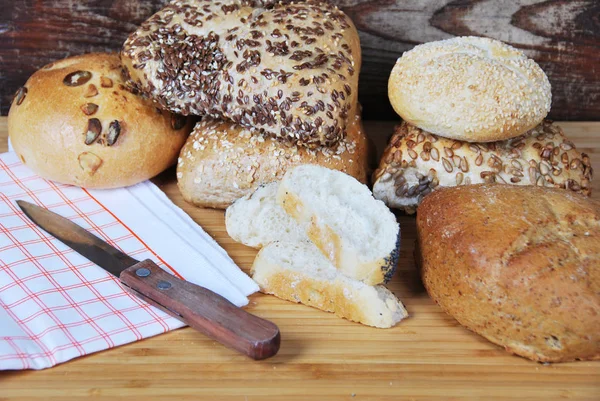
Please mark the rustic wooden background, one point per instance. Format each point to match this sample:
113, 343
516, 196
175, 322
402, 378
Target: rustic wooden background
562, 35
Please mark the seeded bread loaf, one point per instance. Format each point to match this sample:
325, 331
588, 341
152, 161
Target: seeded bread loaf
290, 69
518, 265
222, 161
298, 272
356, 232
470, 89
74, 122
416, 162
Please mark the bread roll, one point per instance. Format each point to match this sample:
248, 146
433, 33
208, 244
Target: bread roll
290, 69
470, 89
74, 122
518, 265
222, 162
357, 233
298, 272
417, 162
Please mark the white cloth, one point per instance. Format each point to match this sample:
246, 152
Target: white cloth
55, 305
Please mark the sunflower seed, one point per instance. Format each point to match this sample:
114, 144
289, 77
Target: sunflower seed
544, 168
89, 109
89, 162
516, 164
412, 191
20, 95
449, 153
435, 154
459, 178
94, 129
456, 161
487, 176
91, 91
401, 191
575, 164
435, 182
447, 165
410, 144
464, 165
456, 145
427, 146
114, 130
106, 82
515, 180
385, 177
413, 155
424, 156
540, 182
77, 78
479, 160
397, 156
566, 146
532, 174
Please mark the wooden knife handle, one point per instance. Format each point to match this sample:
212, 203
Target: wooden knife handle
203, 310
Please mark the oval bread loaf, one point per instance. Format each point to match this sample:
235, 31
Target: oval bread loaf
518, 265
74, 122
469, 88
288, 68
222, 161
357, 233
416, 163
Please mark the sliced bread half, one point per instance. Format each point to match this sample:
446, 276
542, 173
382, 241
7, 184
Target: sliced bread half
356, 232
299, 272
256, 219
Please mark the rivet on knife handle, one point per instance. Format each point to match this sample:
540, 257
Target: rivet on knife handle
203, 310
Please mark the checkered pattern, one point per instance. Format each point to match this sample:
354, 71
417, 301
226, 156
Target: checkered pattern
55, 305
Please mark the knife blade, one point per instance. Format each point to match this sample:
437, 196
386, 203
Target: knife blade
198, 307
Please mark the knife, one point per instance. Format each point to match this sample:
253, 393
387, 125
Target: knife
198, 307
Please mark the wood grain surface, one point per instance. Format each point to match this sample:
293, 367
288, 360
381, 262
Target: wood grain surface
426, 357
562, 35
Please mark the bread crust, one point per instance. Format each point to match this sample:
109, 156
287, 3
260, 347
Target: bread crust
290, 69
49, 124
416, 162
518, 265
222, 161
470, 89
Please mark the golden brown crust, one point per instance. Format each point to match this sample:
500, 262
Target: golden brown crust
470, 89
517, 265
222, 162
289, 68
416, 162
82, 99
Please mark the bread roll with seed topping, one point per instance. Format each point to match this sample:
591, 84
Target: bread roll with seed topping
470, 89
519, 266
222, 161
416, 162
74, 122
290, 69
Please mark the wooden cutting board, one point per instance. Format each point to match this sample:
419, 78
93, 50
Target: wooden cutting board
426, 357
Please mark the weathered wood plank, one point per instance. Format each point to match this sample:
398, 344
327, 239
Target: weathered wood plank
562, 35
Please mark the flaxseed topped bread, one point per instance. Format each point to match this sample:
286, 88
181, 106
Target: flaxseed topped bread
469, 88
518, 265
76, 123
416, 163
289, 69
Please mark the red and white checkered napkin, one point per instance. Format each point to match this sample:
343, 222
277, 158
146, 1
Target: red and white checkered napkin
55, 305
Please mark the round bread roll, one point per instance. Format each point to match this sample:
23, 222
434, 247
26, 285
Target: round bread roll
518, 265
74, 122
290, 69
469, 88
222, 161
416, 162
